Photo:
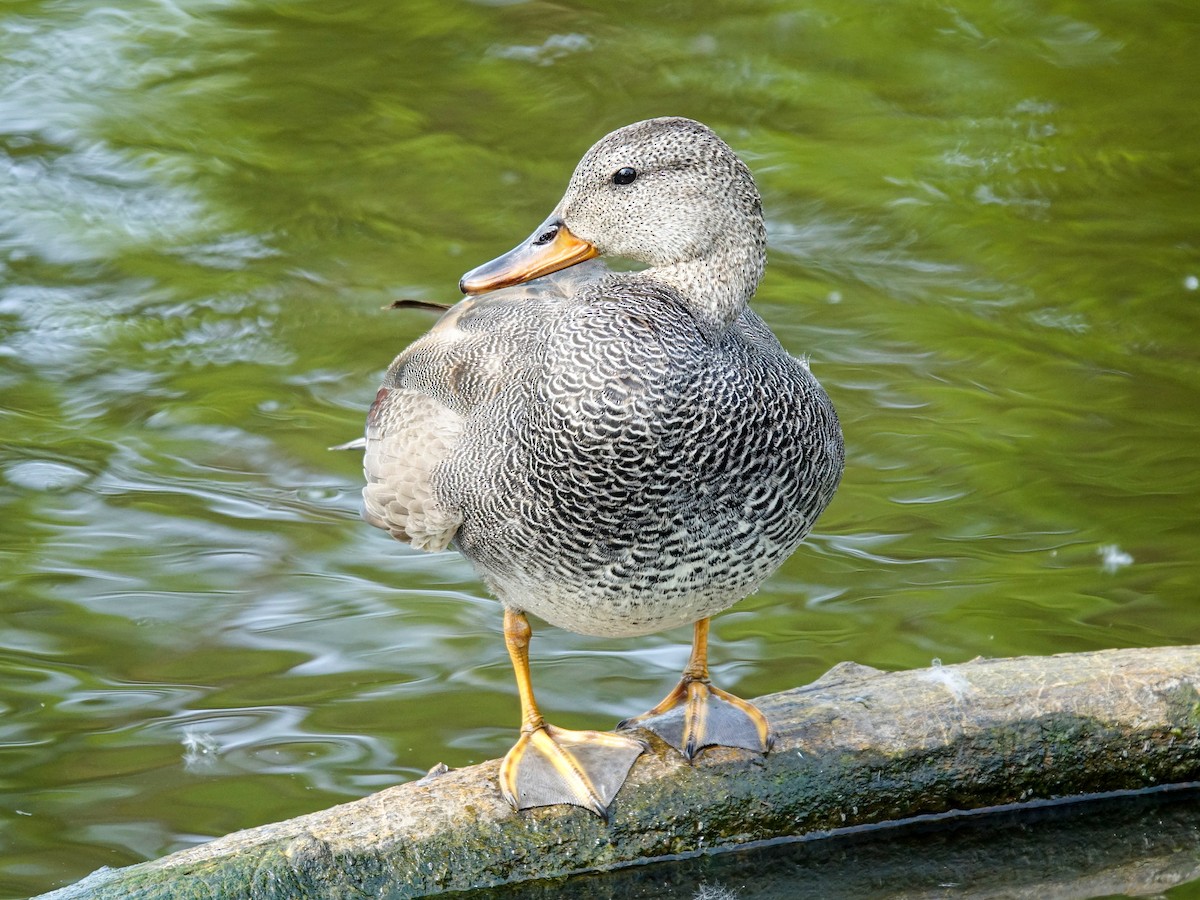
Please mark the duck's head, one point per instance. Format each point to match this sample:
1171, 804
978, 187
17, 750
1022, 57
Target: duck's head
667, 193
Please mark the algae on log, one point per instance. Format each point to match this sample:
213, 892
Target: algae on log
1136, 845
858, 746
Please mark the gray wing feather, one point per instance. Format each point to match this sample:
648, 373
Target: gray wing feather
471, 356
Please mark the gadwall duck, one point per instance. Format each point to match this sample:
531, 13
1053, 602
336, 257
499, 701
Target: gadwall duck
617, 452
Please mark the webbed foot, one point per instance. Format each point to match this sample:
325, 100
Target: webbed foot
552, 765
697, 715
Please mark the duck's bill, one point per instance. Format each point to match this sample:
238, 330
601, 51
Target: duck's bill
550, 248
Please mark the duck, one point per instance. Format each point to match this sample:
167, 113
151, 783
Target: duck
617, 450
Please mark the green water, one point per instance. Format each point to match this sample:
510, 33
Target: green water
985, 233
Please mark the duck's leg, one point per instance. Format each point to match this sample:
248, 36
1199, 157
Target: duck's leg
551, 765
697, 715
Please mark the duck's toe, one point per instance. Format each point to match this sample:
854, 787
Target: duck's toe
697, 715
552, 765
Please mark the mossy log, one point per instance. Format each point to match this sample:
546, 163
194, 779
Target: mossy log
856, 747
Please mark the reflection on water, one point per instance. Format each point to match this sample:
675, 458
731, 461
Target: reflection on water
983, 231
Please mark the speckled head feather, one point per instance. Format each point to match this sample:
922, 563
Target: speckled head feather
691, 209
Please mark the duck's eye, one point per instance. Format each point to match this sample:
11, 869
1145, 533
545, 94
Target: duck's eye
624, 175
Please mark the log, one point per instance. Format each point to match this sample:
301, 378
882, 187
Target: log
857, 747
1136, 846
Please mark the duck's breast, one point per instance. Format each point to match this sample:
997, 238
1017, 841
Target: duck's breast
643, 469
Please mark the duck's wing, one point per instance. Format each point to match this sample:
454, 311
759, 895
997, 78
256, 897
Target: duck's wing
408, 434
413, 425
474, 352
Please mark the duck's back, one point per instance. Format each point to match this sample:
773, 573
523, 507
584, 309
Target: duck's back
613, 464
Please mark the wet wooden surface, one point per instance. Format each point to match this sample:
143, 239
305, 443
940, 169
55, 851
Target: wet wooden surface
856, 747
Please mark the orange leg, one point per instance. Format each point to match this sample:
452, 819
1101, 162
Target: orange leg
550, 765
696, 714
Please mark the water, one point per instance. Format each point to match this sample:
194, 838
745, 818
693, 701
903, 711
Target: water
984, 232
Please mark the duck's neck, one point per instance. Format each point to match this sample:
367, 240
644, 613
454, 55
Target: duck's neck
719, 284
